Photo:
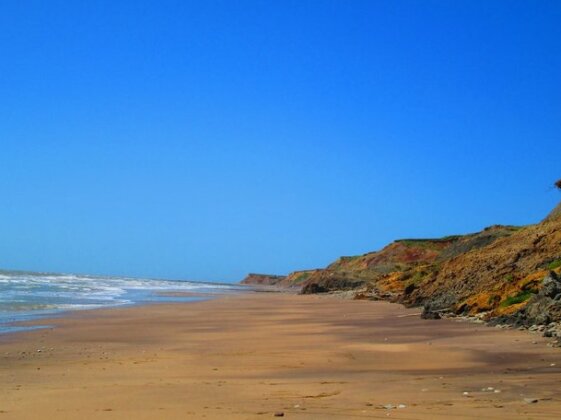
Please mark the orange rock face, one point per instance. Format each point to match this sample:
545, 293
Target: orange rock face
495, 271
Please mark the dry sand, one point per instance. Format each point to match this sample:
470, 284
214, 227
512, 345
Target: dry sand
253, 355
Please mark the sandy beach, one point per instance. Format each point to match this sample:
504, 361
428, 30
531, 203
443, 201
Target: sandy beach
257, 355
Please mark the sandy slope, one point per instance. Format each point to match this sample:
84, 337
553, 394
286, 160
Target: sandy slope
252, 355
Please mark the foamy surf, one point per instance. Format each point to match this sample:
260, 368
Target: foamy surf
28, 296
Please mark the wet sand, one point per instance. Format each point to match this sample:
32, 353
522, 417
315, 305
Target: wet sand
253, 355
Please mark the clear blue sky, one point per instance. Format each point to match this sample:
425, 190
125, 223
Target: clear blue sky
203, 140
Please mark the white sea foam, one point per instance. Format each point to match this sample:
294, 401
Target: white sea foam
29, 294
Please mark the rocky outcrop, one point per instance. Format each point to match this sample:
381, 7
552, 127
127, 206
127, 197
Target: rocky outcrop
493, 277
331, 282
542, 308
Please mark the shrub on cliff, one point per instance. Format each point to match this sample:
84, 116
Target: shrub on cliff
558, 184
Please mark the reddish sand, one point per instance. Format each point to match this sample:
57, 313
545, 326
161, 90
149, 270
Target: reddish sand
253, 355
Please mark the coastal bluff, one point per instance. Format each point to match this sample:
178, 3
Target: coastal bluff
296, 279
508, 275
262, 279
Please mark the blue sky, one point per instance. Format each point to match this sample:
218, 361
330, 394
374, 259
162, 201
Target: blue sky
204, 140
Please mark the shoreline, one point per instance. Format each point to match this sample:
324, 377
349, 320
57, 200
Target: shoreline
31, 320
252, 355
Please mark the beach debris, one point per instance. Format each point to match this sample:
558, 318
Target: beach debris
428, 313
279, 414
553, 364
530, 400
323, 394
392, 406
465, 393
497, 391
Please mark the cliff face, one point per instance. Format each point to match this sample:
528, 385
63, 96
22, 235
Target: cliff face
506, 273
262, 279
490, 278
298, 278
400, 265
293, 280
498, 273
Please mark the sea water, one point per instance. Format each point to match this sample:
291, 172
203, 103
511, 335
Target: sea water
27, 296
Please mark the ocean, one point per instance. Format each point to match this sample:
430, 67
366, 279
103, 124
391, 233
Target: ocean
28, 296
